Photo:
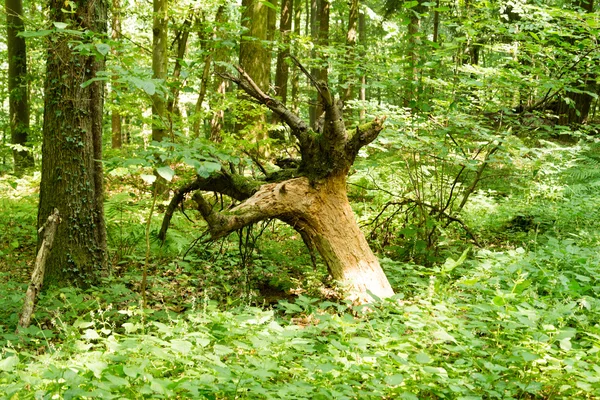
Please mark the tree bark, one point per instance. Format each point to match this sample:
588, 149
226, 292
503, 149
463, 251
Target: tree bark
282, 69
255, 58
295, 74
160, 61
17, 84
321, 210
116, 119
72, 177
311, 198
351, 39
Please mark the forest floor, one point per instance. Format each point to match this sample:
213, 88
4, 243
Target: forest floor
517, 318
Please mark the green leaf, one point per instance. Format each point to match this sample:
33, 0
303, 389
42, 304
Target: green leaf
166, 172
149, 179
394, 380
91, 334
102, 48
97, 367
565, 344
206, 168
181, 346
267, 4
9, 363
148, 87
423, 358
40, 33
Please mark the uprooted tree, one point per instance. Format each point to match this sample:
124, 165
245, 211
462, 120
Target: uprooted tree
310, 196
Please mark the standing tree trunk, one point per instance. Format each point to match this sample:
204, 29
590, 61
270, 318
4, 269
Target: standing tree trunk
581, 102
313, 201
282, 70
116, 119
72, 177
320, 34
351, 38
362, 39
17, 84
160, 59
256, 59
295, 74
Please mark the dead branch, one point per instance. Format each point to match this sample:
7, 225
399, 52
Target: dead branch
37, 277
234, 186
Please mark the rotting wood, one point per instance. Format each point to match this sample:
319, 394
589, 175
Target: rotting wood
37, 277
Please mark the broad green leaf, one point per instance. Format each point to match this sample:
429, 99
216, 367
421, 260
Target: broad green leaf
181, 346
9, 363
149, 179
40, 33
394, 380
148, 87
97, 367
206, 168
91, 334
102, 48
422, 358
166, 172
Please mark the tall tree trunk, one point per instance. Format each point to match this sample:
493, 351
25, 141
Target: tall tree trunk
413, 49
362, 38
351, 39
116, 119
72, 177
221, 54
255, 58
282, 70
160, 59
295, 74
320, 34
181, 40
578, 111
17, 84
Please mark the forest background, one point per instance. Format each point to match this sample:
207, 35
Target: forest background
460, 137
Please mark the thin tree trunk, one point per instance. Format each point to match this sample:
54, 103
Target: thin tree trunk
182, 40
221, 54
160, 61
320, 31
362, 38
295, 74
116, 120
17, 84
282, 70
72, 177
351, 39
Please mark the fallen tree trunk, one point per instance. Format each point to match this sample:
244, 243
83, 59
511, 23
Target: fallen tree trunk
37, 277
311, 197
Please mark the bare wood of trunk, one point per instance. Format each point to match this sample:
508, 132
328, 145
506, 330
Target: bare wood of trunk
37, 277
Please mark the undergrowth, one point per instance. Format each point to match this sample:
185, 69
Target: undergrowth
517, 317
